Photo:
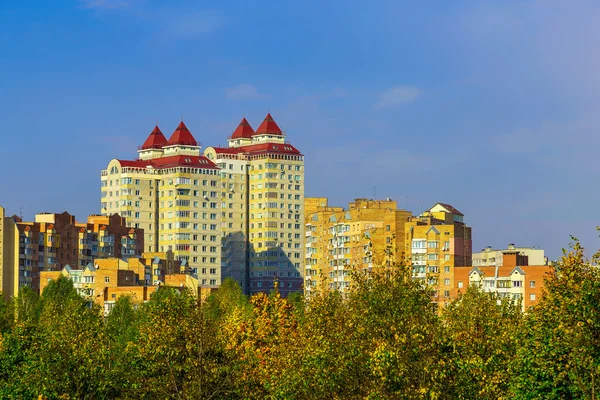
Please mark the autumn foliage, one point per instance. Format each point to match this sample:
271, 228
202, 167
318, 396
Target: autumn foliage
384, 339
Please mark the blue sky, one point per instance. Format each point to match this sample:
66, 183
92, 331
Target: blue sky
490, 106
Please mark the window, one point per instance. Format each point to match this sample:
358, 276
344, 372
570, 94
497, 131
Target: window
532, 285
517, 283
446, 269
532, 297
418, 244
446, 257
460, 284
106, 279
432, 256
447, 281
433, 244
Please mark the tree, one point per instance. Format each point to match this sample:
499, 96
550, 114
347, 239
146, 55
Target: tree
394, 314
179, 352
480, 341
559, 352
227, 300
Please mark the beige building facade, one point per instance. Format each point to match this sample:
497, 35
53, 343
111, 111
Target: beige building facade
52, 241
233, 211
366, 235
495, 257
263, 191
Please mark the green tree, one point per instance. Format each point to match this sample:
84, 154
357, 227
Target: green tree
67, 357
180, 355
480, 342
394, 314
228, 299
559, 352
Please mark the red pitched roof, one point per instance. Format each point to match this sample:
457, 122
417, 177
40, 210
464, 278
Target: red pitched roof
228, 150
244, 130
182, 136
156, 140
171, 161
269, 126
260, 148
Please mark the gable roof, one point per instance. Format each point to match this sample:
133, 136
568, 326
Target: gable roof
517, 269
182, 136
434, 229
243, 130
269, 126
156, 140
448, 208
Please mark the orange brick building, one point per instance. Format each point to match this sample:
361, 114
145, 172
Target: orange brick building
52, 241
514, 278
104, 281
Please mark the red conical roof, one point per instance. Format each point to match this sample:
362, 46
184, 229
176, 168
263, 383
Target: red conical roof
269, 126
182, 136
244, 130
156, 140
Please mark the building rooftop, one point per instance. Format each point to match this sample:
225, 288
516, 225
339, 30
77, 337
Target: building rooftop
182, 136
269, 127
156, 140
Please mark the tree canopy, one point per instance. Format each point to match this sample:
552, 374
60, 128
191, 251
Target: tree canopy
383, 339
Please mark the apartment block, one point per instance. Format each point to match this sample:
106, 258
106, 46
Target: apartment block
368, 234
105, 280
52, 241
492, 257
233, 211
513, 278
439, 244
173, 193
263, 196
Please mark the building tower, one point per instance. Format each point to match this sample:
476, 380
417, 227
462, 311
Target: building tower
262, 180
172, 192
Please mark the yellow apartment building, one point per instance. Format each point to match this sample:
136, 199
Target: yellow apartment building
439, 244
263, 208
368, 234
52, 241
105, 280
234, 211
174, 194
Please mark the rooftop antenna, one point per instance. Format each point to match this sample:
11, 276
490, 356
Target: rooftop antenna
21, 213
374, 192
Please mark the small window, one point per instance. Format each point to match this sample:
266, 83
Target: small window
531, 284
532, 297
107, 279
460, 284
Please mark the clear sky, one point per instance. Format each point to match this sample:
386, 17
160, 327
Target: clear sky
490, 106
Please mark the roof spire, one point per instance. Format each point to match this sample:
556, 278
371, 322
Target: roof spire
269, 126
244, 130
156, 139
182, 136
